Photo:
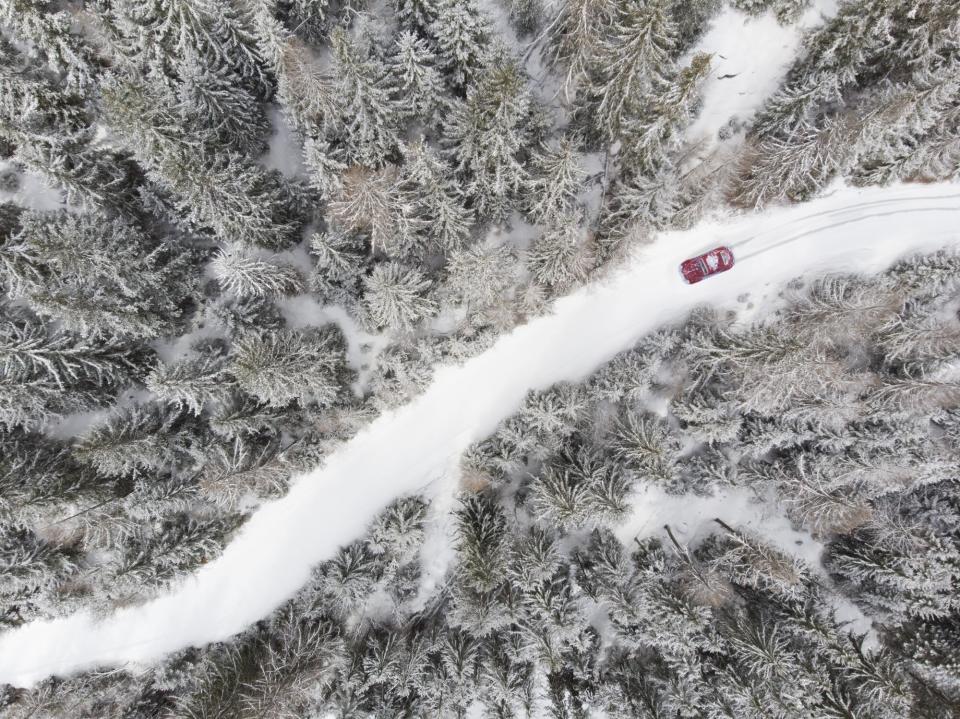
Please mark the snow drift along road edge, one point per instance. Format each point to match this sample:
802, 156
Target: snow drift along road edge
403, 450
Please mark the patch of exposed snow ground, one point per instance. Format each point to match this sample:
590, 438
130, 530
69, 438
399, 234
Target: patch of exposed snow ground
33, 193
284, 151
750, 57
851, 230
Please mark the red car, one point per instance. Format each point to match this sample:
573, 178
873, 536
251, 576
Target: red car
719, 259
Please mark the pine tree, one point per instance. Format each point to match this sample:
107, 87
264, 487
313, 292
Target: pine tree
174, 545
293, 365
576, 36
796, 167
419, 82
246, 276
637, 64
349, 577
481, 277
417, 15
645, 445
557, 179
535, 556
192, 384
486, 135
40, 479
398, 530
652, 200
526, 15
649, 141
99, 276
692, 20
50, 35
32, 568
481, 530
554, 413
244, 467
367, 100
44, 373
237, 200
395, 297
560, 496
51, 132
308, 92
339, 264
750, 562
427, 185
326, 164
217, 97
242, 416
244, 314
787, 11
560, 258
370, 201
462, 35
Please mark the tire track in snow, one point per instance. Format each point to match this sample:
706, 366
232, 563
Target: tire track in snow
841, 211
823, 228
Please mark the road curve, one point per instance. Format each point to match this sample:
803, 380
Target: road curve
851, 230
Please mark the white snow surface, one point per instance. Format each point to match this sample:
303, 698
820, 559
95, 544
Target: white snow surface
403, 451
284, 151
750, 56
33, 193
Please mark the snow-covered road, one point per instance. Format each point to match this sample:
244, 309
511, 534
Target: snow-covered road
405, 450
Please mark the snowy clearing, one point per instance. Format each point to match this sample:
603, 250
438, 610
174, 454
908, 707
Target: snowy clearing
692, 517
405, 450
750, 56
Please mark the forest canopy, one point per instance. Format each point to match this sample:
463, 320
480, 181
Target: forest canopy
232, 232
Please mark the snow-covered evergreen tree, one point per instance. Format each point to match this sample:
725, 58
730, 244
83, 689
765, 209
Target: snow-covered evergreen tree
247, 276
396, 296
282, 367
486, 134
561, 257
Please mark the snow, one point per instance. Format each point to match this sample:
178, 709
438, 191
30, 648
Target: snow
438, 551
854, 229
284, 151
362, 347
691, 518
33, 193
750, 56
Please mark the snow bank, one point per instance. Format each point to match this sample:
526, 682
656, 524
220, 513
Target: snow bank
403, 450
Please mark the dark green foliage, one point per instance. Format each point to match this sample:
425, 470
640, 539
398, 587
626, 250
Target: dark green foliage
138, 438
46, 373
98, 276
481, 527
